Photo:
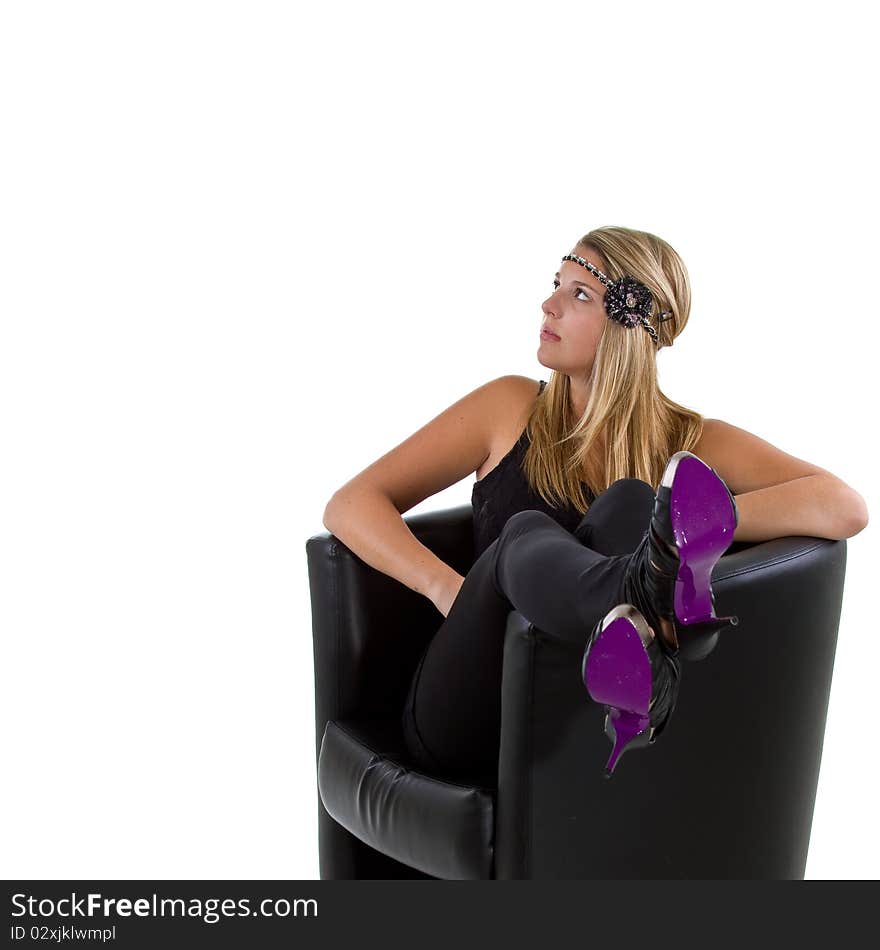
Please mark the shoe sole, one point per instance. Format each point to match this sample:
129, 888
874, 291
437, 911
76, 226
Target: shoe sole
616, 671
703, 517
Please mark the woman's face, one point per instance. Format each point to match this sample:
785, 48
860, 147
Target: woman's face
575, 312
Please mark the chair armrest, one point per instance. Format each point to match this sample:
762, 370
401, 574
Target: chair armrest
368, 629
728, 790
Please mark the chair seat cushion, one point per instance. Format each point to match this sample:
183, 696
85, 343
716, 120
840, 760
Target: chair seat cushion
370, 785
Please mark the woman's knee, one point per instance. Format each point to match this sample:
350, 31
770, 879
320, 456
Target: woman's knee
618, 517
631, 487
522, 521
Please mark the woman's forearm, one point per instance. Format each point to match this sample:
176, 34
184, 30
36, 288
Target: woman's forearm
816, 506
367, 523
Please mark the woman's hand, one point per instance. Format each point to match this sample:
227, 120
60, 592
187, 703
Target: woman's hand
444, 594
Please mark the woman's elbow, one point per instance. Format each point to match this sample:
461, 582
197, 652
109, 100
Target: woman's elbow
331, 511
859, 525
339, 507
858, 516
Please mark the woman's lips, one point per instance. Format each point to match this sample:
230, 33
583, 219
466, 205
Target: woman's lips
548, 335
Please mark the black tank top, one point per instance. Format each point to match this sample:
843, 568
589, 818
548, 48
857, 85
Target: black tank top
505, 490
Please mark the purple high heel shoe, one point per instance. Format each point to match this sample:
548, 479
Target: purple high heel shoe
625, 670
628, 666
670, 574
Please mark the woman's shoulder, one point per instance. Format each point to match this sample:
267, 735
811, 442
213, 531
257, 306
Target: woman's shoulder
512, 398
524, 383
515, 396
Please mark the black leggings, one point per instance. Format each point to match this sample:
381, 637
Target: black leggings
560, 581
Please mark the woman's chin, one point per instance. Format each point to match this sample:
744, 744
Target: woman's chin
545, 360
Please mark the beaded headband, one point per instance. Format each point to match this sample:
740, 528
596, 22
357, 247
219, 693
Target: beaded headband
628, 301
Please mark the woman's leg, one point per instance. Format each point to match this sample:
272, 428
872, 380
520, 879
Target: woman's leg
619, 517
452, 717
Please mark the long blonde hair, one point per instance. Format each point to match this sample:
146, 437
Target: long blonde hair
629, 428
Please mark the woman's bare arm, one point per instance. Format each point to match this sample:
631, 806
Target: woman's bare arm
366, 513
778, 494
366, 521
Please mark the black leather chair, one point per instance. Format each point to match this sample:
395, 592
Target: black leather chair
726, 792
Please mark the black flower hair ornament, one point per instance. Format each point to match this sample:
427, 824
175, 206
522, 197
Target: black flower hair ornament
627, 300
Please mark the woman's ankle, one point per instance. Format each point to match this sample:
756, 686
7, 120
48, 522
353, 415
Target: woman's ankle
667, 633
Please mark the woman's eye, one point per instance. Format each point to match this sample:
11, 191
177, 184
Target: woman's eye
580, 290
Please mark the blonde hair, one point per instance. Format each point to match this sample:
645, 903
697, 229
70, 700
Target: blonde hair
629, 428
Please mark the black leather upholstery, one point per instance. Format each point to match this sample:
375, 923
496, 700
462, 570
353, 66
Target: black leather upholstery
727, 792
367, 783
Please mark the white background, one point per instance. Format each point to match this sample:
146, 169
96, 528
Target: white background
247, 248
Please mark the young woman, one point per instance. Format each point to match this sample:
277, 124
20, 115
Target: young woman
568, 529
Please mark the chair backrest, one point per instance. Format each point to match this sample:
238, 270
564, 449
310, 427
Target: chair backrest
728, 791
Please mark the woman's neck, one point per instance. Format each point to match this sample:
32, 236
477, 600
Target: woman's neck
578, 395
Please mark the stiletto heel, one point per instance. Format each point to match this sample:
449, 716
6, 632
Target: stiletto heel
697, 640
627, 731
625, 670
